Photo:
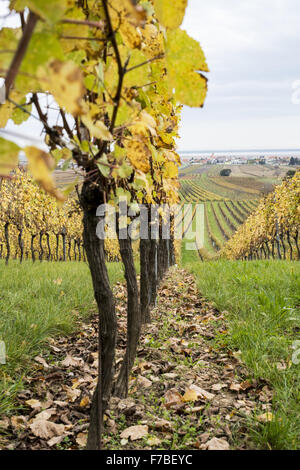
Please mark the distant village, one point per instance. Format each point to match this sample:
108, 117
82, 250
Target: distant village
241, 160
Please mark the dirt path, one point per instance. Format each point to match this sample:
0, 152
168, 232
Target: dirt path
187, 390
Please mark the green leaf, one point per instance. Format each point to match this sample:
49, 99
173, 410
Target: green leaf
18, 116
105, 169
124, 171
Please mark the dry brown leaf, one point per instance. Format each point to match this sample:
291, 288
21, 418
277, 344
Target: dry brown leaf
143, 382
135, 432
84, 402
201, 393
217, 444
72, 394
163, 425
55, 440
153, 441
46, 429
235, 387
18, 422
81, 439
4, 423
46, 414
41, 361
172, 397
34, 404
218, 387
72, 361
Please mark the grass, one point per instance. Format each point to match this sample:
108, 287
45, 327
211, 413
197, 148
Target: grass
262, 299
39, 301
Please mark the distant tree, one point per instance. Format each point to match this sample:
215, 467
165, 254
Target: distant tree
292, 161
290, 173
225, 172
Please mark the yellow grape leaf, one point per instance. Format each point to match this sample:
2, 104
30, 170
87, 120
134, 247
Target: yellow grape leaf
64, 80
50, 10
191, 89
98, 130
126, 17
170, 170
138, 153
143, 124
153, 41
9, 153
6, 111
185, 59
170, 13
40, 165
139, 76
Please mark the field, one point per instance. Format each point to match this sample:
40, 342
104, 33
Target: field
244, 182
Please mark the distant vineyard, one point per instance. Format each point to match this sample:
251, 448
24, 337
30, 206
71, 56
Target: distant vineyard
272, 231
191, 191
222, 216
34, 226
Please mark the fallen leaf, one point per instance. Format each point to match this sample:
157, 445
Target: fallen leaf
153, 441
218, 387
143, 382
18, 422
55, 440
46, 429
201, 393
72, 394
172, 397
72, 361
46, 414
81, 439
265, 417
190, 395
34, 404
135, 432
41, 361
217, 444
235, 387
4, 423
162, 425
84, 402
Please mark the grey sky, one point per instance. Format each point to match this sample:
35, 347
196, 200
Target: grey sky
252, 49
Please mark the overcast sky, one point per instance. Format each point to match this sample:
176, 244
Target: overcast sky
252, 49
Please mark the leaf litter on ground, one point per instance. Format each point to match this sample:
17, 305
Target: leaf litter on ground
186, 390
